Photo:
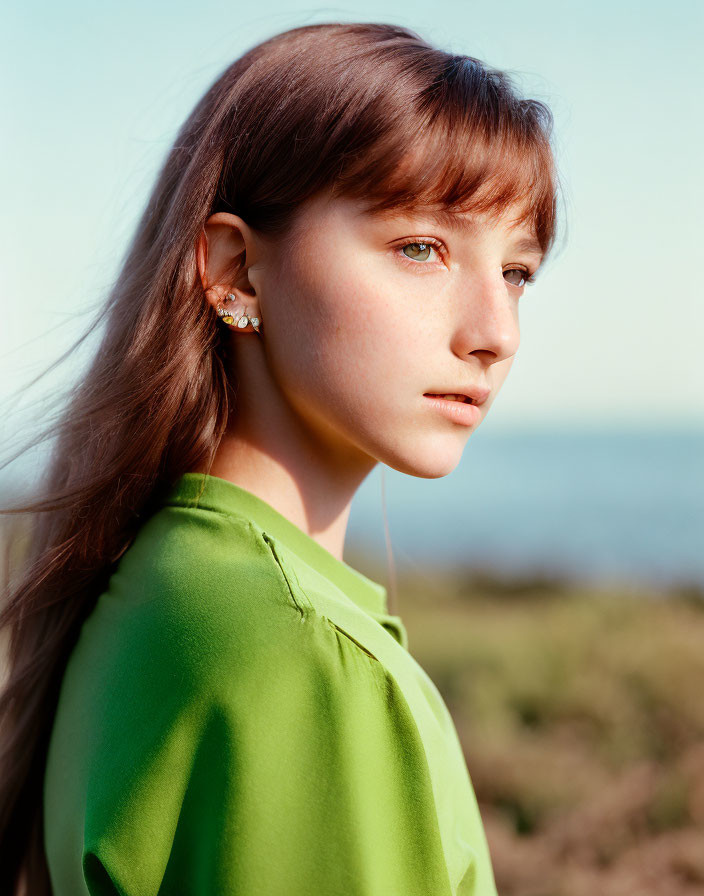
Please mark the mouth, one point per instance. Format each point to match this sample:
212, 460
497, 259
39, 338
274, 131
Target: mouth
465, 398
453, 407
474, 393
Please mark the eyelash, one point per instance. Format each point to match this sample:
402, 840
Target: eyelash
429, 241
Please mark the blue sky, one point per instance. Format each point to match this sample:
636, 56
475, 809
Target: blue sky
611, 332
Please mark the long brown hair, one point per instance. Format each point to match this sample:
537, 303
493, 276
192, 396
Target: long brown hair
369, 110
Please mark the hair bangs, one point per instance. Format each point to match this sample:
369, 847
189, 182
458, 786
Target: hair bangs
463, 144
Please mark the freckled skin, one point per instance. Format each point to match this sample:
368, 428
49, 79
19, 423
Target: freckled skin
354, 331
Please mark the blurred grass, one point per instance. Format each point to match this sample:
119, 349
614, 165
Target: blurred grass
581, 714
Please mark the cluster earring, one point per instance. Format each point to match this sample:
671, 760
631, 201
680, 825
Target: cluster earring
237, 316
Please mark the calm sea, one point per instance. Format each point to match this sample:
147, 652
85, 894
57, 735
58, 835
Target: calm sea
625, 506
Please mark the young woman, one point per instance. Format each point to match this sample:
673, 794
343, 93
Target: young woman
203, 697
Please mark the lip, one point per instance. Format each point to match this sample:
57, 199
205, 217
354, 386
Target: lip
458, 411
478, 394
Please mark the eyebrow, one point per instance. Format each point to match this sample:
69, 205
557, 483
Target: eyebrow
529, 244
454, 221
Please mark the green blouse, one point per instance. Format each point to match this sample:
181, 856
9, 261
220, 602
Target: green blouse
241, 717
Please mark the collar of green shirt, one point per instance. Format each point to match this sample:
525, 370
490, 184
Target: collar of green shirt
223, 496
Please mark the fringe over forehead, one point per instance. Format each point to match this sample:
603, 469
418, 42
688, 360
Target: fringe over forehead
375, 113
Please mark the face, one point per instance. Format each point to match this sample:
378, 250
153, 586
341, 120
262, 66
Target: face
360, 321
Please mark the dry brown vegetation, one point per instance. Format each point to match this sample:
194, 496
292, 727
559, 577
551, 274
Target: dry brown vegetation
581, 714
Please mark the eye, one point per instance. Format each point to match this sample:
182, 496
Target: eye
420, 250
522, 274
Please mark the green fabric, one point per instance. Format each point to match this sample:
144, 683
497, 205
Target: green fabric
240, 715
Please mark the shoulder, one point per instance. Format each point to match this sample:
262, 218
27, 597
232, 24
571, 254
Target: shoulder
202, 595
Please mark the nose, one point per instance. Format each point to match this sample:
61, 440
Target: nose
487, 322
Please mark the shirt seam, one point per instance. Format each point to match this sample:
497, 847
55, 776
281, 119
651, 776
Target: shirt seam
260, 536
284, 574
378, 667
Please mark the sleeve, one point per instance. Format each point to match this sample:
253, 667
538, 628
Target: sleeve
292, 767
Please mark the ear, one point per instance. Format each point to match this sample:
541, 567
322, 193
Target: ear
224, 253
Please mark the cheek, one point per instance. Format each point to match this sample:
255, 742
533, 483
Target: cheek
344, 352
342, 313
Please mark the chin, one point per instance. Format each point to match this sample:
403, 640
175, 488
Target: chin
428, 461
